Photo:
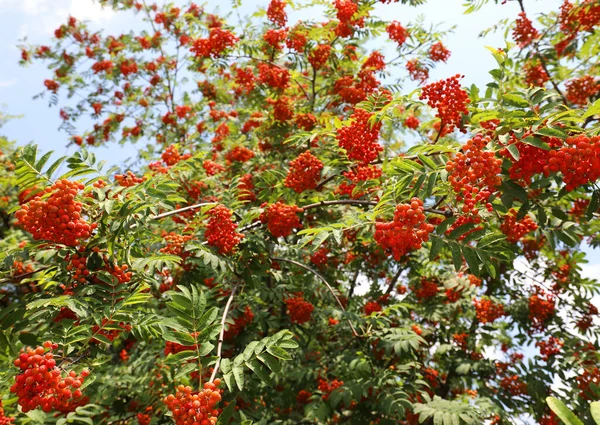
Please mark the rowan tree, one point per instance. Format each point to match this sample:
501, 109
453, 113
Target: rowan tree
306, 241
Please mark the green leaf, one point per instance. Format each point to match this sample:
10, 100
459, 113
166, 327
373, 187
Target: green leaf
595, 409
436, 246
461, 230
515, 100
278, 352
537, 142
514, 152
552, 132
227, 413
562, 411
270, 361
457, 257
179, 338
594, 109
238, 374
472, 260
180, 357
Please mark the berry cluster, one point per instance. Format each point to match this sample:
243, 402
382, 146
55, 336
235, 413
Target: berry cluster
326, 387
282, 109
274, 38
439, 53
280, 218
176, 244
356, 175
299, 309
192, 407
245, 78
524, 33
220, 230
535, 74
549, 348
412, 122
588, 383
345, 11
488, 311
239, 154
406, 232
474, 174
58, 217
41, 384
513, 385
515, 230
461, 340
143, 418
532, 159
5, 420
51, 85
129, 179
426, 289
276, 12
573, 19
303, 397
578, 161
360, 138
450, 100
397, 32
318, 57
273, 76
171, 155
372, 307
541, 309
306, 121
304, 173
218, 40
239, 323
580, 90
417, 71
375, 62
297, 39
211, 168
320, 257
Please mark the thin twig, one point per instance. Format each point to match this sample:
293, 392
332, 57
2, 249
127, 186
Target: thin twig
191, 207
222, 333
393, 281
322, 279
324, 182
339, 202
24, 275
353, 285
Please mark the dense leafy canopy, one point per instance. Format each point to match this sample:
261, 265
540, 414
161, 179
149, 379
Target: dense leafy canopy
331, 247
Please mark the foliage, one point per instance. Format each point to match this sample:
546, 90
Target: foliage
330, 247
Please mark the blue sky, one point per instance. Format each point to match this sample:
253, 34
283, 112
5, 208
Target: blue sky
37, 19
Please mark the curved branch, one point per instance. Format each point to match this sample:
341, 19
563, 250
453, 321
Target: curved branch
393, 281
316, 273
191, 207
339, 202
222, 333
24, 275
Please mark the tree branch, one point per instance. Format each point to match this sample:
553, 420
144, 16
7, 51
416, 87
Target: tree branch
393, 281
191, 207
222, 333
316, 273
24, 275
340, 202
